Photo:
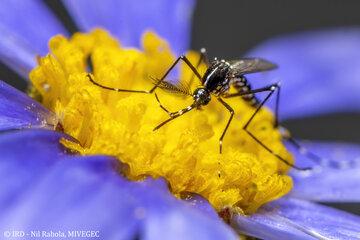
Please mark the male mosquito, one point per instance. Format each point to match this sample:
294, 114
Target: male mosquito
216, 82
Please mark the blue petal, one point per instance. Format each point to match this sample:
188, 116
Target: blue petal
201, 204
298, 219
16, 53
335, 179
32, 21
319, 71
128, 19
26, 27
35, 151
17, 111
66, 193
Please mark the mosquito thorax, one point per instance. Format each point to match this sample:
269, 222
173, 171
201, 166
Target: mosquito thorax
201, 96
216, 76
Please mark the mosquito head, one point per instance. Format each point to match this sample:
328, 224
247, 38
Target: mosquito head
201, 96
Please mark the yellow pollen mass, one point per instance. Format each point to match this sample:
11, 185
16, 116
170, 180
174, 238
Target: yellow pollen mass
185, 151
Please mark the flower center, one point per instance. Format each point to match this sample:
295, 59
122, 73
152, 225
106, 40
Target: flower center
184, 151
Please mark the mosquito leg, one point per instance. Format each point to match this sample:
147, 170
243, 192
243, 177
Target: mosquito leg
286, 135
174, 115
228, 123
162, 107
203, 57
277, 104
271, 89
114, 89
183, 58
276, 87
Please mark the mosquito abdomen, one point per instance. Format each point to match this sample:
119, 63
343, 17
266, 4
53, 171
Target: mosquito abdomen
242, 86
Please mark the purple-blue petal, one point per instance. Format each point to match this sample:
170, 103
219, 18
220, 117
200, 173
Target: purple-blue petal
127, 19
201, 204
319, 71
26, 27
335, 178
16, 53
61, 192
18, 111
298, 219
32, 21
34, 151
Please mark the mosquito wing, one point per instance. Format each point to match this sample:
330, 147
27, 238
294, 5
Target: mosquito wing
250, 65
178, 88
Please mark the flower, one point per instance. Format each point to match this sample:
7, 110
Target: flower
121, 124
61, 191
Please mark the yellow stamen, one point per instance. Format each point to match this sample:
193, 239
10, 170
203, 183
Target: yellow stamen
184, 151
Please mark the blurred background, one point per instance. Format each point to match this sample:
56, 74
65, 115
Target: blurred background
230, 28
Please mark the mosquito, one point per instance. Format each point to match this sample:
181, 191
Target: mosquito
215, 83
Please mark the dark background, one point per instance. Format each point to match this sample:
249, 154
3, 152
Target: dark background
229, 28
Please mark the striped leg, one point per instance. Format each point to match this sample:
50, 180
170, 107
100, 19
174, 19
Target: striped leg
172, 115
228, 123
271, 89
182, 57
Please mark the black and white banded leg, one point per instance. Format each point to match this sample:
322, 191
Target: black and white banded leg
228, 123
172, 115
271, 89
182, 57
286, 135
